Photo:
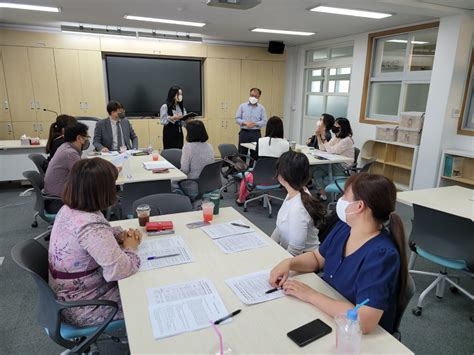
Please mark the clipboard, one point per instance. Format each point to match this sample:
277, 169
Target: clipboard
188, 116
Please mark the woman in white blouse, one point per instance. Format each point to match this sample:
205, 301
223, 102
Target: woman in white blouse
300, 214
171, 114
341, 144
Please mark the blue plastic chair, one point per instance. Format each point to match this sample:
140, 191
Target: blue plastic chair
338, 184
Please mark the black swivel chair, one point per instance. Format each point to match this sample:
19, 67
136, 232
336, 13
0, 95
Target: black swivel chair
264, 180
32, 257
173, 155
231, 176
40, 162
161, 204
42, 200
410, 292
209, 181
446, 240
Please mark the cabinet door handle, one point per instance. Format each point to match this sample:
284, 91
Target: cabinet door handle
35, 127
10, 130
37, 104
41, 127
86, 105
32, 105
5, 104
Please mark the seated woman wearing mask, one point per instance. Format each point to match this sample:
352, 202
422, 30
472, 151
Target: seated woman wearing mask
361, 257
323, 128
341, 144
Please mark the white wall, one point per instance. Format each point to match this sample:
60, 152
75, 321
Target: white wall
446, 90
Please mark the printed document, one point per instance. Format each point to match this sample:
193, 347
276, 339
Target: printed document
159, 248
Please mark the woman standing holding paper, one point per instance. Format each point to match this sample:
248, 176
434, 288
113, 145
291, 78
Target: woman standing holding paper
171, 115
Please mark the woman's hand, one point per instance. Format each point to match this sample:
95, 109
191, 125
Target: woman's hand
131, 239
299, 290
279, 273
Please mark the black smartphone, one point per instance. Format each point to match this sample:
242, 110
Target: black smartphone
309, 332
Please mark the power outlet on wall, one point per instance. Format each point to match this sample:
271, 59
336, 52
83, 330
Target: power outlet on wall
455, 113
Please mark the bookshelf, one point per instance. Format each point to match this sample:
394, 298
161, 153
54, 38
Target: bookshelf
464, 164
394, 160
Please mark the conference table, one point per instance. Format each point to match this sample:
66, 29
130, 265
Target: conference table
259, 328
455, 200
14, 158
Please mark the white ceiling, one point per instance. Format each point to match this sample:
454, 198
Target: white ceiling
234, 25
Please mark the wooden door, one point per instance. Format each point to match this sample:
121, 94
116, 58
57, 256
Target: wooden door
69, 81
44, 81
6, 131
214, 87
18, 83
92, 81
4, 104
232, 87
142, 130
31, 129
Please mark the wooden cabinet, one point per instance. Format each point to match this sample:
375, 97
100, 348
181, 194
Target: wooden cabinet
141, 128
31, 129
156, 134
6, 131
80, 82
456, 168
4, 104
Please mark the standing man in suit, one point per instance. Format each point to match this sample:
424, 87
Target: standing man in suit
250, 116
115, 131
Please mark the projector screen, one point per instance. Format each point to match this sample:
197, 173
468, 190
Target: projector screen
141, 84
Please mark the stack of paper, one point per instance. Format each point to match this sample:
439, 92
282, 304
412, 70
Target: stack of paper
164, 250
150, 165
232, 239
251, 288
184, 307
325, 155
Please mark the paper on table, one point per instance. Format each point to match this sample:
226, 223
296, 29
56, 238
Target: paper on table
240, 242
222, 230
251, 288
150, 165
326, 155
184, 307
163, 246
109, 154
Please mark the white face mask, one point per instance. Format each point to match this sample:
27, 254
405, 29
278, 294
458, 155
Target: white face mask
180, 98
341, 207
253, 100
318, 124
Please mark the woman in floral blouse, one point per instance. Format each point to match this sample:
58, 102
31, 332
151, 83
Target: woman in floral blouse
86, 255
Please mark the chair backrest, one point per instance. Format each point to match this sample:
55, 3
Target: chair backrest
37, 181
264, 172
443, 234
409, 293
40, 162
210, 178
32, 257
367, 165
356, 156
164, 204
173, 155
90, 122
227, 150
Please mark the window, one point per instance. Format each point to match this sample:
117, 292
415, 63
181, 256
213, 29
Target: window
398, 79
327, 84
466, 120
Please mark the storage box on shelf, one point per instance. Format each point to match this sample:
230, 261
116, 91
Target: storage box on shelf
411, 125
394, 160
386, 132
456, 168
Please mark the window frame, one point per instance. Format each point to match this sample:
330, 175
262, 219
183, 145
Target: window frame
404, 77
468, 88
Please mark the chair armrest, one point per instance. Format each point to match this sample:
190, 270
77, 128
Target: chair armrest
52, 198
337, 182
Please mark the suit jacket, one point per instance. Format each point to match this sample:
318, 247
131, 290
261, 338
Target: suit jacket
103, 134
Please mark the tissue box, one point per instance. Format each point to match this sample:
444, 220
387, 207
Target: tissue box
35, 141
24, 141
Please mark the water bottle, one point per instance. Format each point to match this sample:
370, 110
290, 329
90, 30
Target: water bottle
127, 171
348, 332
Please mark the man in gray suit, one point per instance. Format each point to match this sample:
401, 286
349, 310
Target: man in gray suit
114, 132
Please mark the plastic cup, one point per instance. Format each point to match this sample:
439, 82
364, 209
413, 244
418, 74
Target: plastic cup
155, 155
215, 198
207, 211
292, 145
143, 213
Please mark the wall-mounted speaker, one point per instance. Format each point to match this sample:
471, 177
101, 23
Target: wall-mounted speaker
276, 47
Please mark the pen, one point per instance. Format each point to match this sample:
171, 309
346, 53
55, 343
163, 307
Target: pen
234, 313
162, 256
240, 225
272, 290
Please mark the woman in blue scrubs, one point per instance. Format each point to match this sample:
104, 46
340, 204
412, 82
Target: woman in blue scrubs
361, 258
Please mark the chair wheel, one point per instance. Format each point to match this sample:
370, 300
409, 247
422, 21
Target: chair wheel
34, 224
416, 311
270, 216
245, 209
454, 290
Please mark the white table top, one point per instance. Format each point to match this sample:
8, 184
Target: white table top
312, 159
454, 200
16, 144
140, 174
260, 328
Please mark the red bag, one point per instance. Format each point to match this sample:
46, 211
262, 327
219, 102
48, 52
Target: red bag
159, 226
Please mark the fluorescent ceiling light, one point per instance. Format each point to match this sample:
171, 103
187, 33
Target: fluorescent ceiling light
9, 5
405, 41
283, 32
160, 20
98, 31
349, 12
169, 37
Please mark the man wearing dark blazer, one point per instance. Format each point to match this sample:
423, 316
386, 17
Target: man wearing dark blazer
115, 131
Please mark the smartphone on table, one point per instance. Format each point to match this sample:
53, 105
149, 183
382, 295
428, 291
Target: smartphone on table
160, 171
309, 332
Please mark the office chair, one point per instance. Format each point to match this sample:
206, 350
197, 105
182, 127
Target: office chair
40, 162
32, 257
231, 176
264, 180
445, 240
173, 155
409, 293
208, 181
90, 122
42, 200
337, 186
161, 204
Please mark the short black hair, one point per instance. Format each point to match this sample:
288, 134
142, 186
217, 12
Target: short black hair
77, 129
328, 120
274, 128
113, 106
196, 132
256, 89
346, 130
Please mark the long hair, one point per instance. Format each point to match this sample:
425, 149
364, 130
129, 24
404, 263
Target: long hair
294, 169
346, 130
56, 129
170, 100
380, 195
328, 121
274, 128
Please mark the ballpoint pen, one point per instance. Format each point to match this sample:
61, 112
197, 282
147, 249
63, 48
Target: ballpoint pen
272, 290
161, 256
240, 225
234, 313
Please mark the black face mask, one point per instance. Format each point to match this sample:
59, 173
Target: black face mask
335, 129
86, 145
121, 115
